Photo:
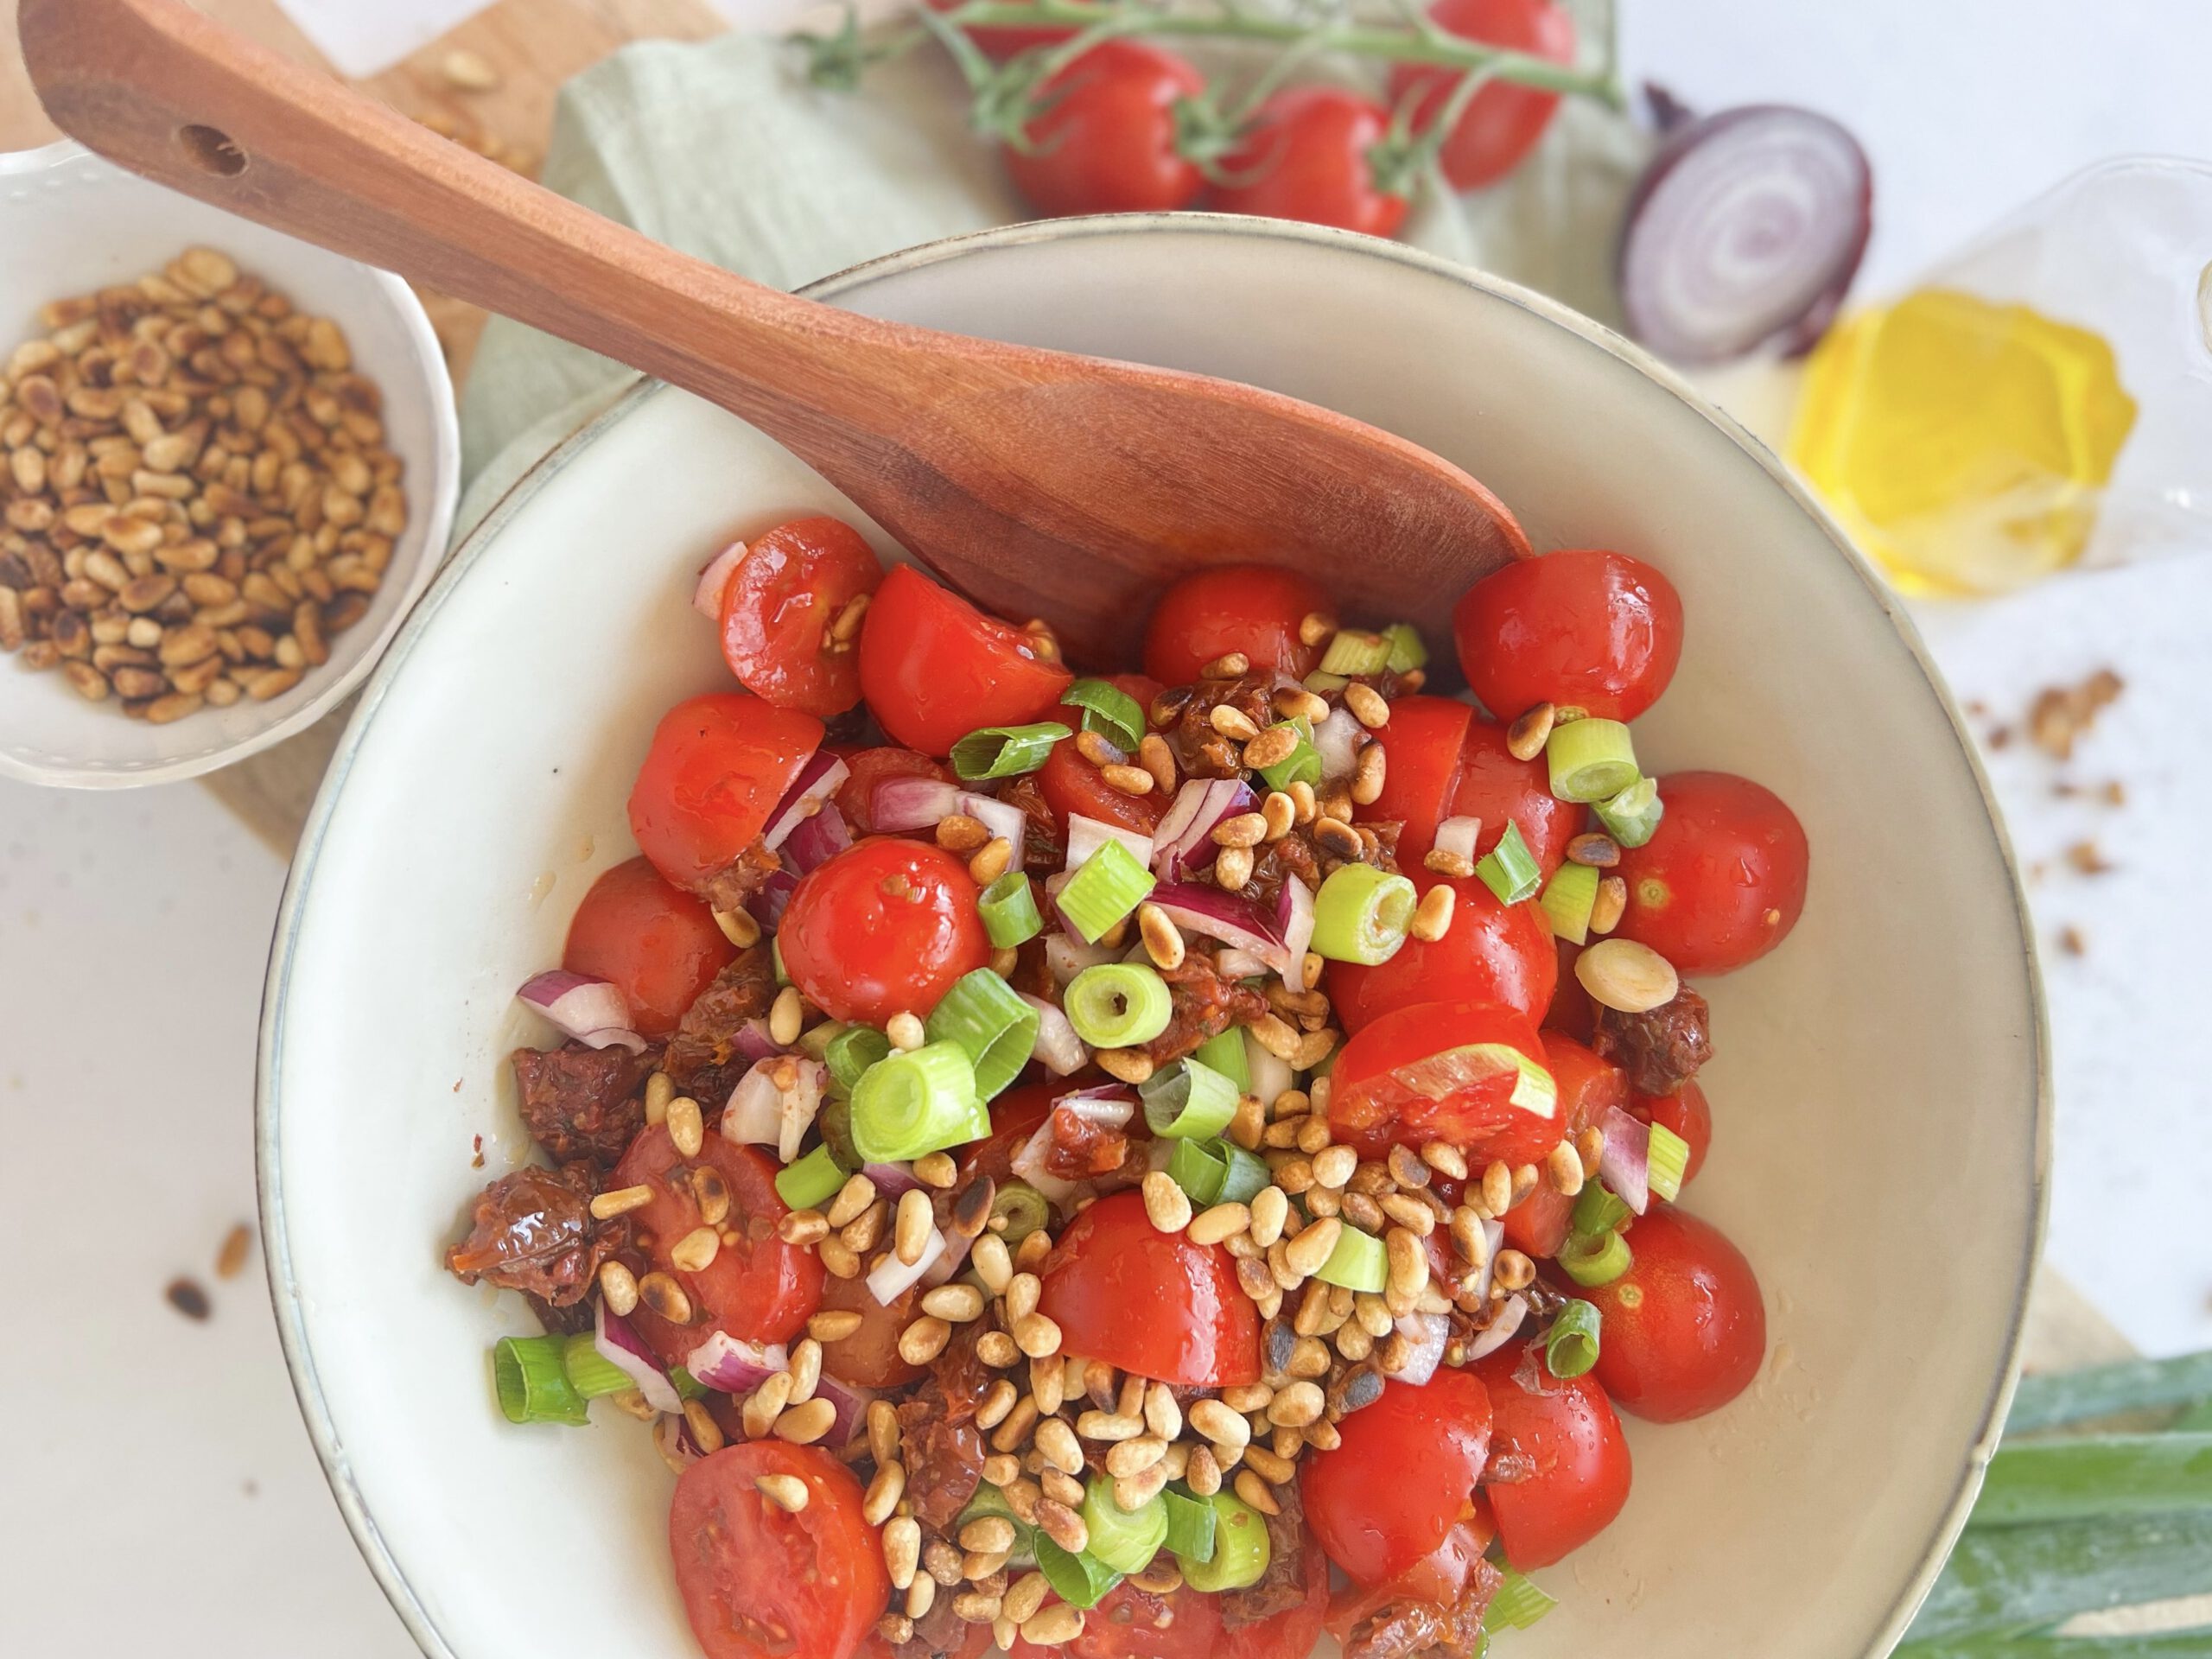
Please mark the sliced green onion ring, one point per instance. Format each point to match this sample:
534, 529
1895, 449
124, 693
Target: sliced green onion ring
1124, 1540
531, 1376
1407, 651
909, 1104
1358, 1262
1631, 817
1081, 1580
1517, 1605
990, 1022
1508, 869
1302, 764
814, 1040
1355, 651
1569, 896
1023, 1210
1188, 1100
1225, 1053
1190, 1522
988, 1501
1591, 760
1571, 1349
1249, 1175
1006, 751
1597, 1210
1117, 1004
1667, 1160
1321, 684
1595, 1258
1362, 914
851, 1052
1107, 710
591, 1374
1110, 884
813, 1181
1009, 910
1241, 1548
1200, 1167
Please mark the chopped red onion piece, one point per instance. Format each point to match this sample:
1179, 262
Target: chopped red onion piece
1295, 917
1183, 842
799, 1103
1271, 1073
1058, 1048
1427, 1331
1502, 1328
1086, 835
722, 1361
1493, 1235
675, 1433
622, 1348
1110, 1106
1337, 739
714, 582
851, 1405
955, 1257
1029, 1166
818, 779
1232, 964
1625, 1163
593, 1011
753, 1115
767, 904
754, 1041
1233, 919
817, 838
892, 1180
1459, 837
1006, 821
1067, 955
895, 1278
903, 804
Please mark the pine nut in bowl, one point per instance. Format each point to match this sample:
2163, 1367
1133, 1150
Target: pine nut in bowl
1879, 1083
231, 464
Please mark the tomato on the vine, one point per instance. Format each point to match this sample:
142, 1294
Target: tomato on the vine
1401, 1477
1000, 41
1563, 1441
1722, 880
1683, 1331
1251, 609
657, 944
1312, 154
1150, 1302
883, 928
1581, 628
781, 606
718, 766
1490, 953
1104, 138
934, 668
1504, 121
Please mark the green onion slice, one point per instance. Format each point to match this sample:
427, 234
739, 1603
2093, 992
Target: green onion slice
1321, 684
990, 1022
530, 1377
1362, 914
1302, 764
1198, 1167
909, 1104
1591, 760
1241, 1549
591, 1374
1358, 1262
813, 1181
1595, 1258
1188, 1100
1249, 1175
1572, 1347
1445, 1074
1667, 1160
1508, 870
1407, 651
1111, 883
687, 1387
1125, 1540
1117, 1004
1569, 896
776, 962
1354, 651
1597, 1210
851, 1052
1009, 910
1006, 751
1022, 1208
1518, 1604
1107, 710
1081, 1580
1225, 1054
814, 1040
1190, 1522
1631, 817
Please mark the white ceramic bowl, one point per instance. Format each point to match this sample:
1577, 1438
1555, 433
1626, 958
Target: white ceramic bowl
1878, 1091
71, 223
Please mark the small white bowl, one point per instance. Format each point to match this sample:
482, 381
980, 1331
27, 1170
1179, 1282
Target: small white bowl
72, 222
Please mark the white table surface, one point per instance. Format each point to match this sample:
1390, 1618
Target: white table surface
156, 1490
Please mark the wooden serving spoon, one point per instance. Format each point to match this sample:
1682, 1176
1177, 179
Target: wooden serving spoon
1042, 483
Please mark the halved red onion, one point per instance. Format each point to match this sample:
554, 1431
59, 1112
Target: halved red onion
1745, 231
1337, 741
1057, 1048
903, 804
809, 792
1183, 842
1459, 837
1625, 1163
1006, 821
753, 1117
1427, 1332
1086, 835
1502, 1328
722, 1361
851, 1404
892, 1180
714, 582
767, 904
895, 1278
817, 838
623, 1348
1068, 956
593, 1011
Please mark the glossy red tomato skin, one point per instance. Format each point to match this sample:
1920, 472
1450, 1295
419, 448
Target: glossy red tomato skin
1687, 1113
1684, 1329
1368, 1110
1498, 789
1309, 155
1571, 1011
1073, 786
1504, 122
760, 1583
1581, 628
1722, 881
1490, 953
1421, 748
869, 1358
856, 797
885, 927
717, 767
1150, 1302
1005, 42
759, 1289
657, 944
934, 668
1402, 1478
1570, 1436
776, 611
1455, 1572
1252, 609
1588, 1085
1104, 140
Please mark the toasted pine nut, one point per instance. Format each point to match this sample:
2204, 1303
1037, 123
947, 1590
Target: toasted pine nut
1130, 781
1443, 863
665, 1297
1024, 1597
1565, 1168
1308, 1251
1606, 909
1054, 1627
1218, 1423
1468, 1235
787, 1492
997, 1404
937, 1169
1526, 737
1277, 814
1135, 1457
902, 1549
923, 1340
1446, 1159
1315, 627
620, 1286
1232, 723
685, 1126
660, 1088
995, 1348
1131, 1066
852, 1200
1408, 1261
1270, 747
803, 1227
804, 1425
1037, 1336
1163, 940
1333, 1166
1232, 869
905, 1031
704, 1429
1294, 1407
956, 1304
987, 1533
1245, 829
992, 862
1254, 1491
1623, 975
696, 1251
620, 1201
805, 1370
1228, 666
1021, 1294
738, 928
1514, 1271
1591, 1144
1371, 772
956, 832
1597, 849
992, 1263
1156, 758
1409, 1213
786, 1015
916, 1221
1498, 1188
1220, 1221
1271, 1210
884, 1492
1432, 917
766, 1404
1368, 707
1062, 1525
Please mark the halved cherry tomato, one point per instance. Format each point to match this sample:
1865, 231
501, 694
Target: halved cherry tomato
1003, 41
1155, 1303
1383, 1089
1722, 881
1072, 785
1310, 155
1564, 1433
1495, 788
1686, 1113
1252, 609
718, 766
934, 668
883, 928
1537, 1225
1104, 138
760, 1581
792, 586
1456, 1573
1490, 953
1580, 629
1421, 747
1684, 1329
1403, 1477
657, 944
869, 1358
857, 795
759, 1289
1290, 1633
1502, 121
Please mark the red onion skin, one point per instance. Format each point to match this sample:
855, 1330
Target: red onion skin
621, 1346
899, 804
1626, 1165
722, 1361
817, 779
817, 838
1180, 849
596, 1012
714, 582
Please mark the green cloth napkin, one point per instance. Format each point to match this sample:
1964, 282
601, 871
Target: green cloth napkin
725, 151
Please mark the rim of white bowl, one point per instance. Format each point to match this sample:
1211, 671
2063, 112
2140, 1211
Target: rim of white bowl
432, 383
283, 1289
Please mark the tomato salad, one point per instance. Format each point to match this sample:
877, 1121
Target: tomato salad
1158, 1163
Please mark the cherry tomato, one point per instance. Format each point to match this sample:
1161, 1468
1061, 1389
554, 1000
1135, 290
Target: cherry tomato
1686, 1113
1722, 881
1009, 40
760, 1581
1490, 953
657, 944
884, 927
857, 795
1565, 1433
718, 766
1376, 1097
1502, 122
1580, 629
1132, 1623
1571, 1011
1684, 1330
934, 668
1497, 789
1290, 1633
1537, 1226
1150, 1302
759, 1289
869, 1358
1421, 747
1072, 785
792, 585
1455, 1572
1252, 609
1403, 1477
1310, 155
1104, 139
